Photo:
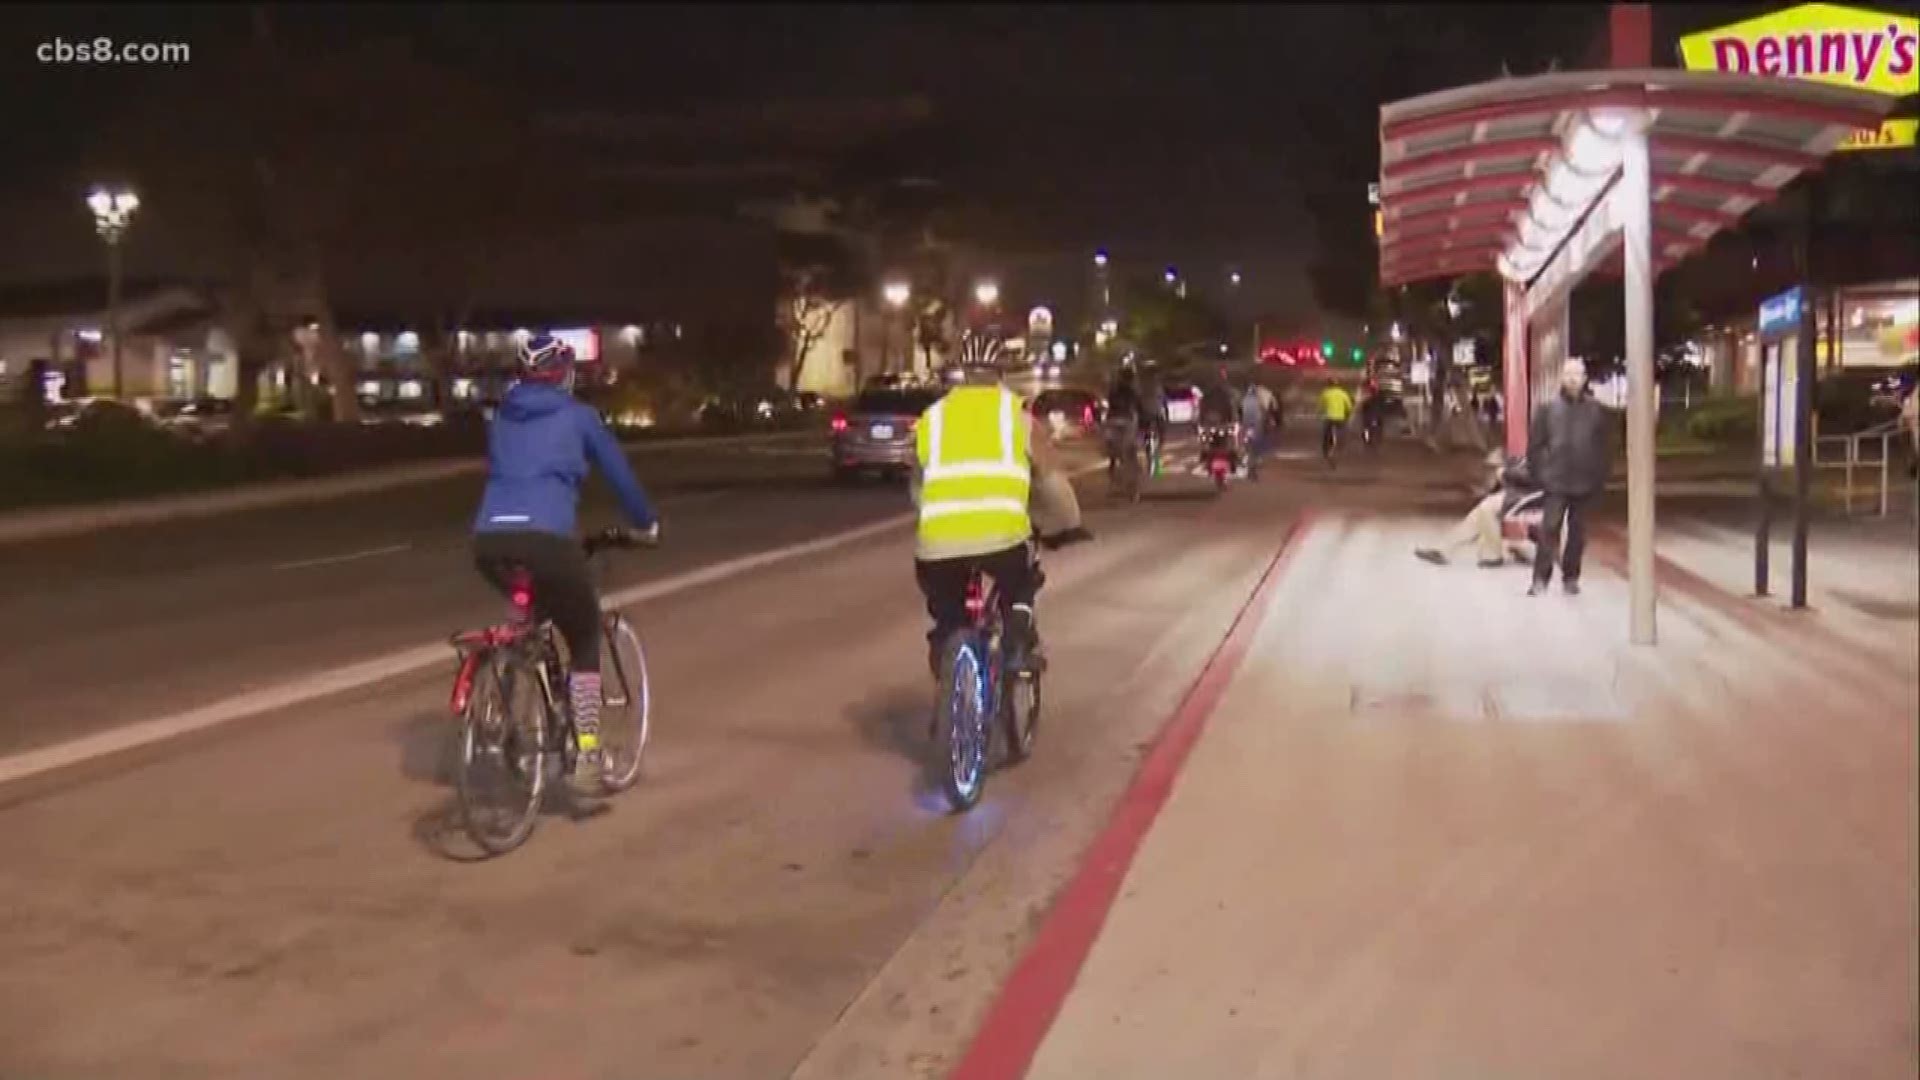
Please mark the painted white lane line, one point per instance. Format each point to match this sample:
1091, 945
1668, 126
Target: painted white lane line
351, 556
29, 763
377, 669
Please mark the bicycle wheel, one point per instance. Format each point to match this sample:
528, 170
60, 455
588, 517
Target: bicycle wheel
626, 710
960, 730
503, 755
1021, 714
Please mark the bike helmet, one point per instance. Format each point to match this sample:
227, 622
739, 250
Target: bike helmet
981, 351
545, 358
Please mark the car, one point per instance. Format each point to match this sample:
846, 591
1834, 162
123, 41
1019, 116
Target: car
876, 433
1183, 403
95, 413
198, 418
1069, 412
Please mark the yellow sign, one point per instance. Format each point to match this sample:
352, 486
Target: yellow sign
1826, 43
1892, 135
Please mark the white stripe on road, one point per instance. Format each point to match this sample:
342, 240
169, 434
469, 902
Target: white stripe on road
30, 763
351, 556
377, 669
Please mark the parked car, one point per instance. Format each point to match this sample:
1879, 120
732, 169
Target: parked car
92, 412
198, 418
876, 433
1069, 412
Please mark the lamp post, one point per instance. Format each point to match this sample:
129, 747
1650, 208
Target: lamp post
112, 212
986, 292
1100, 275
896, 294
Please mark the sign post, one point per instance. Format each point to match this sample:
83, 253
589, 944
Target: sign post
1781, 333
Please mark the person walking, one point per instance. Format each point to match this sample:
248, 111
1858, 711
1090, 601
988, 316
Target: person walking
1572, 457
1253, 424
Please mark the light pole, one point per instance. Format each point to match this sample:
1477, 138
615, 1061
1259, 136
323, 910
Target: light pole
1100, 275
112, 212
896, 294
986, 292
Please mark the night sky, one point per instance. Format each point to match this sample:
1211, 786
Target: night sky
1197, 135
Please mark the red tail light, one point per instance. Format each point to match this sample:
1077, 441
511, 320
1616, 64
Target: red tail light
839, 423
522, 599
1086, 417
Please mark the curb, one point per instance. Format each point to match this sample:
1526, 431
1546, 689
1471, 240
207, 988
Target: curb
1028, 1002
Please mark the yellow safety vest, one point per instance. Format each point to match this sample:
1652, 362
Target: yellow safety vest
1335, 404
975, 467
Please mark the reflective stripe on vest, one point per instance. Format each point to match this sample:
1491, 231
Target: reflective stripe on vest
975, 470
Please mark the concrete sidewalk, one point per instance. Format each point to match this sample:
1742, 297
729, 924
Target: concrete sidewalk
1437, 829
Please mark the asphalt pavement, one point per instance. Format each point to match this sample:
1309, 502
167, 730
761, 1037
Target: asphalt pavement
286, 894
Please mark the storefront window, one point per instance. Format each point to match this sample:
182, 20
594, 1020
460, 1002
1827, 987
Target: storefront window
1879, 330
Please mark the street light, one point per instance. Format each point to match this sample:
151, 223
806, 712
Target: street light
112, 212
1172, 275
987, 293
896, 294
1233, 278
1100, 258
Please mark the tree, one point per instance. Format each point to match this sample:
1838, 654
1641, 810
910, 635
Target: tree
306, 172
1164, 323
819, 273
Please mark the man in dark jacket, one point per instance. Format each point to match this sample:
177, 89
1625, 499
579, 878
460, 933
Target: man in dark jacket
1571, 459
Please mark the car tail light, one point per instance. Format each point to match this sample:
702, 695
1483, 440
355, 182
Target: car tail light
839, 423
1086, 416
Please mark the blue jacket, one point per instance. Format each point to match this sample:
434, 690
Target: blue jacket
538, 449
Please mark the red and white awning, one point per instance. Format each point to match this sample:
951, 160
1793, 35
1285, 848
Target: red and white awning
1497, 176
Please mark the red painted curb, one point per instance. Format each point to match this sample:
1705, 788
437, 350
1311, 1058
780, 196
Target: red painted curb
1031, 998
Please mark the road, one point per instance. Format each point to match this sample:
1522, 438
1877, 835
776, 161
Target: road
284, 895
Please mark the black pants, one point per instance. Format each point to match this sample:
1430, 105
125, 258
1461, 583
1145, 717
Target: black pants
1330, 435
944, 583
562, 586
1553, 508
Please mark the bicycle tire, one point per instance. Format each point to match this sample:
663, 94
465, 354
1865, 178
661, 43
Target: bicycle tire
505, 720
1021, 719
958, 759
626, 711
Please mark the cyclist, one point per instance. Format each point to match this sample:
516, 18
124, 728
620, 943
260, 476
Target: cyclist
1127, 417
977, 459
1336, 408
1253, 427
539, 448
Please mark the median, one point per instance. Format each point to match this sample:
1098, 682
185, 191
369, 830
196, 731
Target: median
124, 473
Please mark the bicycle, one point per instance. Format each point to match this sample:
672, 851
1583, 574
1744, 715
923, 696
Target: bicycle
1123, 462
980, 697
510, 698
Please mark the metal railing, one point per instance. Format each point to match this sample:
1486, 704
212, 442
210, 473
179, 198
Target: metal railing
1863, 455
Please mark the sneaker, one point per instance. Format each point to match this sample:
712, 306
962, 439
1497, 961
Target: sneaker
1430, 555
1536, 588
1492, 564
1572, 587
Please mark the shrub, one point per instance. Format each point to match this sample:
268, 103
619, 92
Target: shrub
1725, 420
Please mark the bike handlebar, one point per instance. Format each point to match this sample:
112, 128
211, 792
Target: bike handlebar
607, 539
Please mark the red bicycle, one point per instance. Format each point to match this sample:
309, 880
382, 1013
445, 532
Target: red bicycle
516, 721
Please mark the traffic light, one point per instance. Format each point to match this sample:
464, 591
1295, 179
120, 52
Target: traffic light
1358, 355
1326, 348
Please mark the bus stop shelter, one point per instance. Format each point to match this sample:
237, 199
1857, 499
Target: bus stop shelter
1549, 179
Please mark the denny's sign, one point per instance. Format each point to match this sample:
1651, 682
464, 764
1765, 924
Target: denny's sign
1827, 43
